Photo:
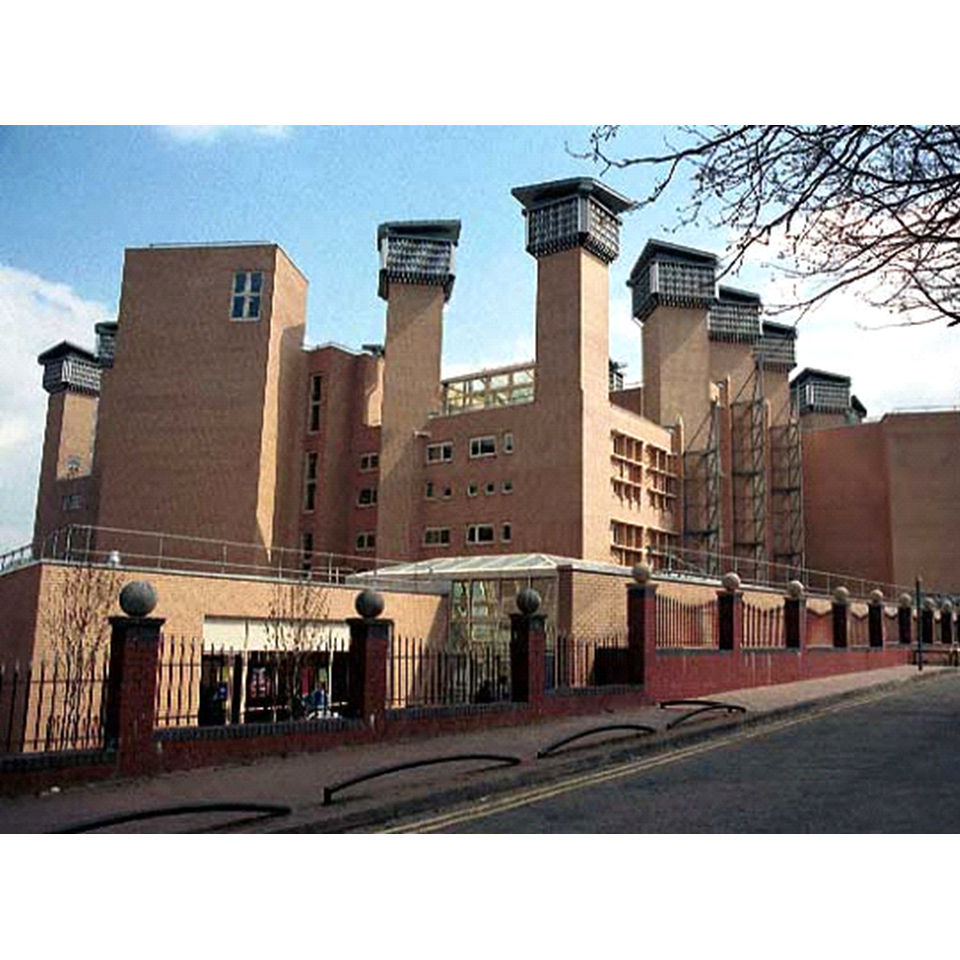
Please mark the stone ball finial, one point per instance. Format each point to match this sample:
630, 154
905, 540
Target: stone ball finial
905, 600
946, 606
528, 601
642, 573
138, 598
795, 590
369, 604
841, 595
876, 596
731, 582
929, 603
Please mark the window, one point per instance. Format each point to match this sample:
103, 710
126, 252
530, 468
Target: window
306, 551
367, 497
316, 386
429, 491
507, 442
506, 486
483, 447
366, 541
247, 286
436, 536
480, 533
310, 482
490, 489
439, 452
447, 493
369, 461
72, 501
472, 490
506, 532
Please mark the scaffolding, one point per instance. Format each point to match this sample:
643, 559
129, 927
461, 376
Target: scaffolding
786, 493
701, 498
749, 474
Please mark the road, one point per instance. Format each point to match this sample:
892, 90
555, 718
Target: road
889, 763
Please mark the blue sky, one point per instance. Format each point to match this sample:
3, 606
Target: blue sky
72, 198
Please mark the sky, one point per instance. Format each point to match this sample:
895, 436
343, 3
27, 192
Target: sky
72, 198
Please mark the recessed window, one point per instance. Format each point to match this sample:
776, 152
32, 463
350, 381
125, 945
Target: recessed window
507, 442
490, 489
247, 287
366, 541
316, 390
367, 497
506, 486
439, 452
472, 490
429, 491
72, 501
483, 447
310, 482
480, 533
447, 493
436, 536
369, 461
506, 532
306, 551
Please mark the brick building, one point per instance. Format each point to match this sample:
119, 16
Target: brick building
202, 416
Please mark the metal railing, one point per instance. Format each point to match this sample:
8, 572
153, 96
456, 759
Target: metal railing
55, 705
762, 627
421, 675
682, 625
576, 662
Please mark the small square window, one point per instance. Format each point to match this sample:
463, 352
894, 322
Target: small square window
369, 461
447, 493
506, 532
506, 486
490, 489
472, 490
507, 442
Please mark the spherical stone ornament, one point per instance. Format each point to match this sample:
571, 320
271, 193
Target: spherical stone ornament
138, 598
841, 595
905, 600
528, 601
876, 596
947, 606
642, 573
929, 604
731, 582
369, 604
795, 590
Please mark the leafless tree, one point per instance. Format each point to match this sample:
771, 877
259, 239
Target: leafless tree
294, 627
872, 208
76, 627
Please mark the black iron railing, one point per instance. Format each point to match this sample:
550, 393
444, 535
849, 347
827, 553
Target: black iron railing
577, 662
55, 705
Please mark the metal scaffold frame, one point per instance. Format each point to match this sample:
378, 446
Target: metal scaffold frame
786, 492
749, 474
701, 495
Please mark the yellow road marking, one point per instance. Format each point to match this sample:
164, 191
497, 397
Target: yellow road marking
524, 798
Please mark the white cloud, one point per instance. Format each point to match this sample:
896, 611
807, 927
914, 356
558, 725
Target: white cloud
35, 314
200, 133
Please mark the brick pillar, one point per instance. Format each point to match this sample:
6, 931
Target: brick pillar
641, 627
730, 613
926, 625
905, 618
369, 646
528, 649
794, 608
946, 624
841, 616
875, 618
132, 684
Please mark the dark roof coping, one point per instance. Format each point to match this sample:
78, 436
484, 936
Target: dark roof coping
858, 406
808, 373
537, 194
420, 230
785, 330
65, 349
653, 247
733, 293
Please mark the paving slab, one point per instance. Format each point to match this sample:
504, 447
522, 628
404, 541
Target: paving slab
296, 783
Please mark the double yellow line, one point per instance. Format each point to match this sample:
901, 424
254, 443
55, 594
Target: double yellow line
522, 798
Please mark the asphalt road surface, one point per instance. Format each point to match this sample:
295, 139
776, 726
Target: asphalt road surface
889, 763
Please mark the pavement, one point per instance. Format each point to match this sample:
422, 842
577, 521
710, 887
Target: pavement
286, 794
